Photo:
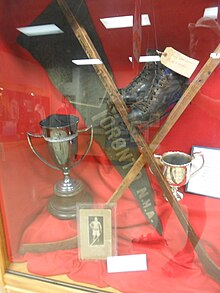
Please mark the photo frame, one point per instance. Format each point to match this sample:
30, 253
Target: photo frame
96, 227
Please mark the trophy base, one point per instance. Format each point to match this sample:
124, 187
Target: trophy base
64, 205
177, 194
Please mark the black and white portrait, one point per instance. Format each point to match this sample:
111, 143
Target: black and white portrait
95, 233
96, 230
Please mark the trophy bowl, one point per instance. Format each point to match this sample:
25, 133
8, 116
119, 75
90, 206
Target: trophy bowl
61, 135
177, 169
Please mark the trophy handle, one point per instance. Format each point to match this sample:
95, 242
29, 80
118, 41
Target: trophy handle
29, 135
194, 155
158, 160
89, 146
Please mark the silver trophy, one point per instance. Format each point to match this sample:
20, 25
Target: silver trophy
178, 167
61, 135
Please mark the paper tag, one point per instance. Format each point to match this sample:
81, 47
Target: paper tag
215, 55
179, 62
127, 263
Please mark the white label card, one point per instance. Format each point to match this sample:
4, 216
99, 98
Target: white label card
127, 263
179, 62
207, 180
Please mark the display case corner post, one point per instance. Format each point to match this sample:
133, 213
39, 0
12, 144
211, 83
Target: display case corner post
4, 259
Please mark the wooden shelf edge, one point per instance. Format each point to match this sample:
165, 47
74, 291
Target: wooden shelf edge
19, 278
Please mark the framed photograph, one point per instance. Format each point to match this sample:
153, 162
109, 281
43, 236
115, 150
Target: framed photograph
96, 237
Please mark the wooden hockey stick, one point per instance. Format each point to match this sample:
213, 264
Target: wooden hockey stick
147, 156
177, 111
186, 98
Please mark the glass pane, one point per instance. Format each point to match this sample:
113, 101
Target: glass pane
71, 135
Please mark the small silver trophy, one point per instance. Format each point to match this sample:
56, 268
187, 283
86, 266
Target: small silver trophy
178, 168
61, 135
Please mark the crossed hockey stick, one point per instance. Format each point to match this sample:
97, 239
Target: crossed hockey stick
147, 150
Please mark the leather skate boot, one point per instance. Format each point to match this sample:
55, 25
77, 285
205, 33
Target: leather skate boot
166, 90
138, 89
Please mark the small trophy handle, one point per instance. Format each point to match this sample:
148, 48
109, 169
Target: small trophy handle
158, 160
89, 146
29, 135
194, 155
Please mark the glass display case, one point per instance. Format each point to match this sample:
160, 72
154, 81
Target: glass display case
109, 146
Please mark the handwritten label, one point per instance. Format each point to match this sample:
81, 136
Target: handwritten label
207, 180
215, 55
179, 62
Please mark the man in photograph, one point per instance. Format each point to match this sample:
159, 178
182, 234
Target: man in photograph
96, 230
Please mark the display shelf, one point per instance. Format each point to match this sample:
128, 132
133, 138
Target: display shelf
41, 248
18, 278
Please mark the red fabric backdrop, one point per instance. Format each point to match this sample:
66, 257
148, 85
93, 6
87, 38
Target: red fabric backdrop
26, 186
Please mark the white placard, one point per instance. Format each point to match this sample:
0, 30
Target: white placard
207, 180
127, 263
